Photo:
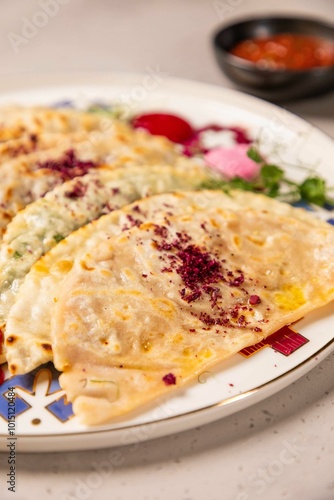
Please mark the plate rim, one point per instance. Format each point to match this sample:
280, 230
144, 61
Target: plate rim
71, 441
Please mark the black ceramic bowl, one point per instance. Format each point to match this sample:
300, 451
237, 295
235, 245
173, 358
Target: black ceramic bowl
273, 84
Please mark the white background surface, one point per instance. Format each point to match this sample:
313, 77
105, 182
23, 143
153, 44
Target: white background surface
282, 448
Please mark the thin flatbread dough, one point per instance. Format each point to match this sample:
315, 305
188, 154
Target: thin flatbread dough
29, 177
32, 143
16, 121
148, 309
29, 320
56, 216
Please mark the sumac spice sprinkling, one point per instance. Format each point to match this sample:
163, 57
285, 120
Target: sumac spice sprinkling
78, 191
69, 166
163, 246
132, 223
242, 320
198, 267
166, 270
234, 313
169, 379
183, 237
161, 231
214, 293
254, 299
191, 297
33, 138
210, 320
237, 281
177, 244
256, 329
207, 319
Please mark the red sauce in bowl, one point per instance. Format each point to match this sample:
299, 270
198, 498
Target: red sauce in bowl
287, 51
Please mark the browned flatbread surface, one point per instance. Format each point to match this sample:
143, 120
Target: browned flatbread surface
195, 278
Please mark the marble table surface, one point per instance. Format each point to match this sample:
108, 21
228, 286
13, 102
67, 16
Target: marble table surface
240, 457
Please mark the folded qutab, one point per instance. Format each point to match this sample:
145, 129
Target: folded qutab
70, 144
193, 278
18, 121
28, 177
52, 218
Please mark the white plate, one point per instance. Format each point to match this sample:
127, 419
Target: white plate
43, 421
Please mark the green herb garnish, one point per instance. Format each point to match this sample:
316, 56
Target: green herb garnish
17, 255
313, 190
273, 182
115, 111
254, 155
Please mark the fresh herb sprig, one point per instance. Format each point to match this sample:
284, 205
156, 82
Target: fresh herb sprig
272, 181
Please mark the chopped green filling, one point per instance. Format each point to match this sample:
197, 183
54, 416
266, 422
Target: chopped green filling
58, 237
102, 381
